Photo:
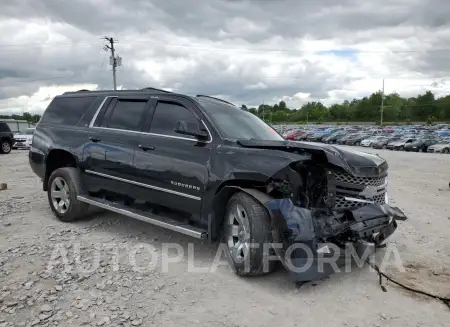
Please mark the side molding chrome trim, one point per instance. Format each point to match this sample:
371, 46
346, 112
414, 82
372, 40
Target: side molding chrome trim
156, 188
154, 220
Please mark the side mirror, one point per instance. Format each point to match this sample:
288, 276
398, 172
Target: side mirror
192, 129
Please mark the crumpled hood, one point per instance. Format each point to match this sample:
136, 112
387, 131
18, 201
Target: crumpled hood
355, 162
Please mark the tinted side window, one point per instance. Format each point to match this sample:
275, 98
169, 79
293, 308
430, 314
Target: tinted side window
67, 110
4, 128
125, 115
167, 115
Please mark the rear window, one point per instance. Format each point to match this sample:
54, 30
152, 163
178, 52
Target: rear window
4, 128
67, 110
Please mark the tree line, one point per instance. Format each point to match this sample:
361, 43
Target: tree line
396, 109
25, 116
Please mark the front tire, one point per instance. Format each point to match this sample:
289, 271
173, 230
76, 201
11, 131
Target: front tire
63, 188
5, 147
446, 151
247, 223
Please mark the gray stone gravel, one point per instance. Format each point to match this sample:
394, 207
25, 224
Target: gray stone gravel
37, 289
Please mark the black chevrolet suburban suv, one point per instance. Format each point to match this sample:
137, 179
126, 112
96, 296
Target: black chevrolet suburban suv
204, 167
6, 138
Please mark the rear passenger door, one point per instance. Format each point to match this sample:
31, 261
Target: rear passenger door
113, 137
172, 166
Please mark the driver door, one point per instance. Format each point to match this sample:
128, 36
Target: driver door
173, 167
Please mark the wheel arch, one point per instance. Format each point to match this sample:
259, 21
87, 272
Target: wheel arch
58, 158
221, 198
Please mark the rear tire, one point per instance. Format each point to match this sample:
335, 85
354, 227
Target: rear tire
248, 222
446, 151
63, 188
384, 146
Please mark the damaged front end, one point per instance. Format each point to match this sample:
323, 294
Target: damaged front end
330, 200
315, 242
320, 210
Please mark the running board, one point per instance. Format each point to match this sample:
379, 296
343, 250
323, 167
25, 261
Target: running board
160, 221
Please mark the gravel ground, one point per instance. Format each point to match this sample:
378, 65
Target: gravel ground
37, 290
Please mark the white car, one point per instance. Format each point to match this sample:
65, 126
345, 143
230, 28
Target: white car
370, 140
23, 140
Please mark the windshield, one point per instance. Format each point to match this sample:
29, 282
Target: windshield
236, 123
29, 131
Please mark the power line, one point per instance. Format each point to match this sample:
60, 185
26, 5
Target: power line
259, 78
149, 44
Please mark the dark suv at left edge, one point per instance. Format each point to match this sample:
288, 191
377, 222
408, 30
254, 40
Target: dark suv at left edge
6, 138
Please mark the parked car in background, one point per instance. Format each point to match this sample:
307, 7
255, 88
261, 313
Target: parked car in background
332, 138
6, 138
343, 139
422, 144
294, 134
23, 140
370, 140
442, 146
381, 143
400, 144
314, 137
356, 139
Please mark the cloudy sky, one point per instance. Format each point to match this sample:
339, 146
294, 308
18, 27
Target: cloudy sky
246, 51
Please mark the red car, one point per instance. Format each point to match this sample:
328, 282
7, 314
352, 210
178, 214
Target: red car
294, 134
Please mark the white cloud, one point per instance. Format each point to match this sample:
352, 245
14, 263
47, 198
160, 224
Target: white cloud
38, 101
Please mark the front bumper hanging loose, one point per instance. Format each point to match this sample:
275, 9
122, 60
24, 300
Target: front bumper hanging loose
316, 245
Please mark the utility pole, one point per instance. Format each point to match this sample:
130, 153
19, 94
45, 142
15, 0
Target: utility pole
263, 110
113, 60
382, 105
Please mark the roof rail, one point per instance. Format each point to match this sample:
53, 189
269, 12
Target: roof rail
210, 97
154, 89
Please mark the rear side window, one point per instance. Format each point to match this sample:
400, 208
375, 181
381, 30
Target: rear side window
4, 128
125, 115
167, 115
67, 110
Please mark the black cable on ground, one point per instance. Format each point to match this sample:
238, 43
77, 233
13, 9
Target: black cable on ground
381, 274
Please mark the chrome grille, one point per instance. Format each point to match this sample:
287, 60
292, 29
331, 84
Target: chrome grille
342, 203
349, 186
364, 181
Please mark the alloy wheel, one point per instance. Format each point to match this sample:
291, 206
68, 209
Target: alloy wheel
60, 195
6, 147
237, 235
